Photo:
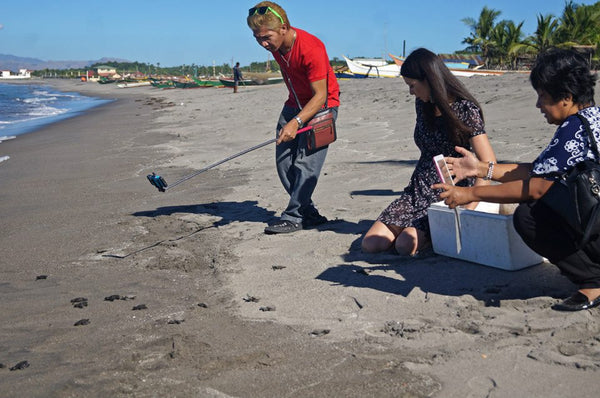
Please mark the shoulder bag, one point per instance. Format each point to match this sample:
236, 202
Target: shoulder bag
321, 127
575, 197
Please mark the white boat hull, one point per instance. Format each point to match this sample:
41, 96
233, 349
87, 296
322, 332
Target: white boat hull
388, 70
133, 84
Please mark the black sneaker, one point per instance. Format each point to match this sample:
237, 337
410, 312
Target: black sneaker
313, 220
283, 227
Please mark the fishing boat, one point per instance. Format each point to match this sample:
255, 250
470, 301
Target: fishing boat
106, 80
346, 74
185, 84
134, 84
228, 82
207, 82
365, 69
162, 83
458, 67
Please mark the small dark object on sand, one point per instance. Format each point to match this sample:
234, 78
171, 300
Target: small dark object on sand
278, 267
82, 322
39, 277
78, 300
319, 332
176, 321
140, 307
112, 297
80, 304
267, 308
21, 365
203, 305
2, 366
250, 299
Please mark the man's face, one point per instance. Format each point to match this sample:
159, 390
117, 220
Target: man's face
270, 40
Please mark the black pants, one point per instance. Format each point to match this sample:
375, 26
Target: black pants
543, 231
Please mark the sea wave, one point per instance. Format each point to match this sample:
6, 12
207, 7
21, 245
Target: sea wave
7, 137
37, 100
55, 94
46, 111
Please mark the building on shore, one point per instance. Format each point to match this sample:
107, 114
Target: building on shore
23, 74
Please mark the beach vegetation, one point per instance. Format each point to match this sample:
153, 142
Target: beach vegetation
503, 44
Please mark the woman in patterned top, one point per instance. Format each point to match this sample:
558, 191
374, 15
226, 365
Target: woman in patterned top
565, 88
447, 117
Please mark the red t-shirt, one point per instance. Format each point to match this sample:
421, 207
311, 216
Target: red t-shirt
307, 62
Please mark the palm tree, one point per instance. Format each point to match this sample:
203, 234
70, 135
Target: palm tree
545, 35
481, 30
578, 25
507, 41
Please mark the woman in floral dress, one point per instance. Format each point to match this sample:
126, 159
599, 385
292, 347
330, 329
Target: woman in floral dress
447, 116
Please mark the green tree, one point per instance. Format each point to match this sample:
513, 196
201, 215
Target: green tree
506, 39
480, 39
579, 25
545, 35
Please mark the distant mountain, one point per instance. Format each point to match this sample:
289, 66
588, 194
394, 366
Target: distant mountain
14, 63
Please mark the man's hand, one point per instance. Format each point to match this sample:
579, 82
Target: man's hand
288, 132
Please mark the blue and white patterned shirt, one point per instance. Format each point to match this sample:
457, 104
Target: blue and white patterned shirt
569, 146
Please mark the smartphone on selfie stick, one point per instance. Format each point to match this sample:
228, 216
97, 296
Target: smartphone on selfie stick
442, 169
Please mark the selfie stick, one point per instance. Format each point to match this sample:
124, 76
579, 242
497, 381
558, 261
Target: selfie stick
160, 183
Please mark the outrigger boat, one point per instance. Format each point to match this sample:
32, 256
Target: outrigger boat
458, 68
375, 69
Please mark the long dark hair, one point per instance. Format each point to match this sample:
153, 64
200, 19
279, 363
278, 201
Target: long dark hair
561, 73
424, 65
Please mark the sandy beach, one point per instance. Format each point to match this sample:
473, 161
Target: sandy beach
204, 304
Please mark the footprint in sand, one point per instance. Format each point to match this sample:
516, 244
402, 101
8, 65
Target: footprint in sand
481, 387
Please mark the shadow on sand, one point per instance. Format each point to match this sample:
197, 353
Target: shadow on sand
432, 273
228, 211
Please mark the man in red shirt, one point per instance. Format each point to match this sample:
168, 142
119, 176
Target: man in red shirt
312, 84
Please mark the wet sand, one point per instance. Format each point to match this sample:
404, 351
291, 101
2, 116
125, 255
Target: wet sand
224, 310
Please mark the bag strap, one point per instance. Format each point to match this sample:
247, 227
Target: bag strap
287, 76
587, 234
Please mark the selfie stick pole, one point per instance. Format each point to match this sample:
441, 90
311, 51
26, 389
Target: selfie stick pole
160, 183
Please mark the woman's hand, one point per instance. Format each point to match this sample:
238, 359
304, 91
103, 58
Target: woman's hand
464, 167
455, 196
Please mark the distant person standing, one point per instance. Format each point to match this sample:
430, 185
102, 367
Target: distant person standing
237, 76
304, 63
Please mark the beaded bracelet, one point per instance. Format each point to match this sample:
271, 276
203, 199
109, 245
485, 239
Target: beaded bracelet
490, 171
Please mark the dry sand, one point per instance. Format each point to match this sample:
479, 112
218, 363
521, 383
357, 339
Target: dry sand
76, 206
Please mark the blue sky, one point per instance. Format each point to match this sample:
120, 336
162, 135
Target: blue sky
179, 32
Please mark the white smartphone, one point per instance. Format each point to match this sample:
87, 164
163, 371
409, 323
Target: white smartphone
442, 169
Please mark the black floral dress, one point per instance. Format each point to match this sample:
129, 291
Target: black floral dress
410, 209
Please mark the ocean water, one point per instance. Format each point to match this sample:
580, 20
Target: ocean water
27, 107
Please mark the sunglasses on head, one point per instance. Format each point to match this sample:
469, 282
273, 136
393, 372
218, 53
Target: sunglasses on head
263, 11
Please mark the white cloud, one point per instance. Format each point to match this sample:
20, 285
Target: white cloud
1, 26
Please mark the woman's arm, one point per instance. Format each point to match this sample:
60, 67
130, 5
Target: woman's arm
484, 152
470, 166
509, 192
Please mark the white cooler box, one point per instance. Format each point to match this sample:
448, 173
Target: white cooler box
487, 237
